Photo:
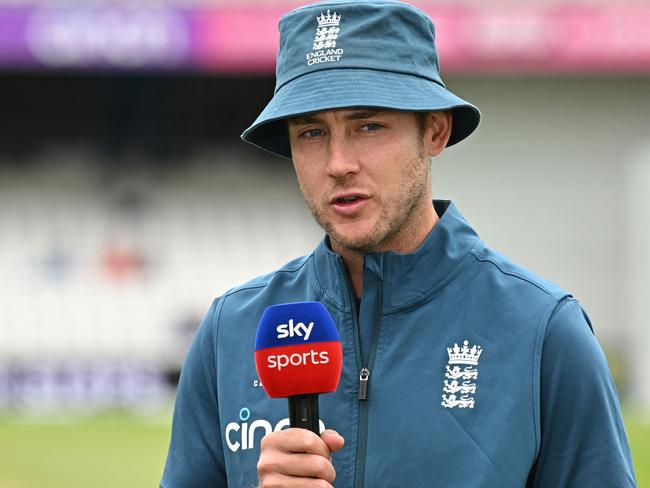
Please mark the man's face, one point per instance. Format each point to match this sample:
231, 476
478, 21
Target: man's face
364, 174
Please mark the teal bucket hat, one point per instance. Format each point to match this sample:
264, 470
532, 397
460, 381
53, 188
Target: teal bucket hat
343, 54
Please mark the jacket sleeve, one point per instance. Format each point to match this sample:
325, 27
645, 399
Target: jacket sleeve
583, 441
195, 458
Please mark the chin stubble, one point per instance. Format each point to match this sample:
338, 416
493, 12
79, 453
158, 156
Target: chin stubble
389, 224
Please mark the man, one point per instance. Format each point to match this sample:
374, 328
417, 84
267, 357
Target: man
460, 368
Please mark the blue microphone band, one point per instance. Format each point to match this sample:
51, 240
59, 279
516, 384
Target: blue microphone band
295, 323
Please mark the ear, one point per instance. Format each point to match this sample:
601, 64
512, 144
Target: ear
437, 131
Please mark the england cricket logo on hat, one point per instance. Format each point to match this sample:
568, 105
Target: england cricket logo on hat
459, 385
324, 48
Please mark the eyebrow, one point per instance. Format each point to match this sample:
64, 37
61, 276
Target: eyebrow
364, 114
356, 115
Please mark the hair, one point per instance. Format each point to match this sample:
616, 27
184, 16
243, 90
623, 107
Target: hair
421, 119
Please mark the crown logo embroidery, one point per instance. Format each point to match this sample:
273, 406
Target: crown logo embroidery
324, 48
464, 354
459, 384
328, 20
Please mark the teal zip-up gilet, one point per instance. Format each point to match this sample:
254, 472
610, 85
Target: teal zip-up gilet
460, 369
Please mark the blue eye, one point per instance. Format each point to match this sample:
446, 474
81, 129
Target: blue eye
371, 127
312, 133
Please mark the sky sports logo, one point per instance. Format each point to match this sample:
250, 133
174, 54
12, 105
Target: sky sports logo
303, 358
280, 361
297, 330
298, 347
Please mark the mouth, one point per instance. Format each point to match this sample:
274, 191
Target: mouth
348, 203
347, 198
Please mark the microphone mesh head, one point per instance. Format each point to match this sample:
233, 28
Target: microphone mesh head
298, 350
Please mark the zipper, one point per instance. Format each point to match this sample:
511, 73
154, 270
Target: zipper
364, 383
364, 375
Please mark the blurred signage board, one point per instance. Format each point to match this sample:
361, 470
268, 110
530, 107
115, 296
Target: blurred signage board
93, 36
42, 388
568, 38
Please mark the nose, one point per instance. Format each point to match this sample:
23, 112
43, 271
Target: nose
341, 157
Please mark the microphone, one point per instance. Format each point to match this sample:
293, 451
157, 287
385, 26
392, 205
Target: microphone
298, 355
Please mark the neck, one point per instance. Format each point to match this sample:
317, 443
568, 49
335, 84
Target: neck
406, 241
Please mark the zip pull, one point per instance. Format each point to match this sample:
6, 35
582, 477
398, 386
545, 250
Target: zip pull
364, 376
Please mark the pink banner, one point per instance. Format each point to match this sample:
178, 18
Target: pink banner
526, 39
237, 39
559, 39
234, 39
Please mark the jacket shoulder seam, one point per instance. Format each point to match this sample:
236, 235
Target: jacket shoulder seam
265, 283
514, 274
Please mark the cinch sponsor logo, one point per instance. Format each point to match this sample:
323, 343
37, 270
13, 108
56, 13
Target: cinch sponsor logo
245, 435
279, 361
291, 329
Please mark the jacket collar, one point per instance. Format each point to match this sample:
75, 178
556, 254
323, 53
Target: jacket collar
403, 279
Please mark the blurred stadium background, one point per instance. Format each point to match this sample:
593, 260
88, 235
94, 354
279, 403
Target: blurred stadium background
127, 201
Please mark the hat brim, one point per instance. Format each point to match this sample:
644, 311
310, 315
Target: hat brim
355, 87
